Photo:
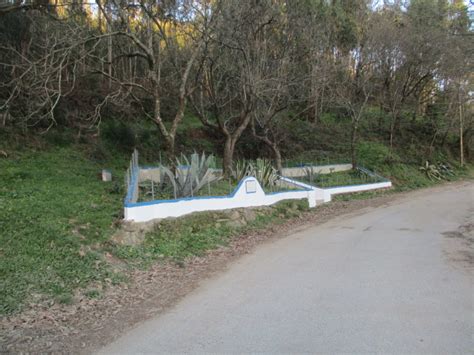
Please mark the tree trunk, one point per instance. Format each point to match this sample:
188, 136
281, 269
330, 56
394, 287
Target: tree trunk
353, 146
461, 135
275, 150
109, 59
277, 157
170, 142
229, 148
392, 129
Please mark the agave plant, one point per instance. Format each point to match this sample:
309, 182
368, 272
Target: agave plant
261, 169
445, 170
310, 174
191, 175
242, 169
265, 173
437, 171
431, 171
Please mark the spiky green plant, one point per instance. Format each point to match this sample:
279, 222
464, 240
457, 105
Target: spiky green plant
431, 171
264, 172
310, 174
242, 169
261, 169
191, 175
439, 171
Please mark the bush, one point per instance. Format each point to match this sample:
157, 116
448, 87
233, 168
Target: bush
373, 155
119, 134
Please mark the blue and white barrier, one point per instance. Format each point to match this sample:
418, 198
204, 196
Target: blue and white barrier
248, 193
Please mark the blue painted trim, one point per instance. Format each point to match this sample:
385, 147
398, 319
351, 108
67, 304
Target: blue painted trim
131, 186
135, 174
128, 204
156, 202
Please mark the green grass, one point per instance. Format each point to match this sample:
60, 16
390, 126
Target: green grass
54, 215
166, 192
197, 233
222, 187
340, 178
56, 219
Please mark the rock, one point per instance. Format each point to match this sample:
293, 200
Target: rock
249, 215
234, 215
132, 233
237, 223
128, 238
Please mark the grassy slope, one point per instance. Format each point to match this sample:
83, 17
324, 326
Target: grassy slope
56, 221
56, 218
54, 213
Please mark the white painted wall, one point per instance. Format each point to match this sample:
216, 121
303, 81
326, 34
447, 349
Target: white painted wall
146, 211
242, 197
320, 169
355, 188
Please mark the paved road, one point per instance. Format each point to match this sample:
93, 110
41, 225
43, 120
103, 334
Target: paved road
394, 279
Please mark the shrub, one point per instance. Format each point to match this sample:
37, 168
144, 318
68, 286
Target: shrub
372, 155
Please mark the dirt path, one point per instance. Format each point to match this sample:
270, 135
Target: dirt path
90, 324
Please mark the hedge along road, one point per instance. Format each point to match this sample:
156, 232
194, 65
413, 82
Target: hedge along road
393, 279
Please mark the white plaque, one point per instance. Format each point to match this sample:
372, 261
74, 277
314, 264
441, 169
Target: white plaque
251, 186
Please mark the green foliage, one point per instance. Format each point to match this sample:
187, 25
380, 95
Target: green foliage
264, 172
310, 174
195, 234
54, 213
373, 154
261, 169
119, 133
60, 137
165, 191
93, 293
340, 178
190, 175
242, 169
439, 171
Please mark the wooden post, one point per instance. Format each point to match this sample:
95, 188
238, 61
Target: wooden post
461, 129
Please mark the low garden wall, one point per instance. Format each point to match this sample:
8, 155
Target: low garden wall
248, 193
320, 169
354, 188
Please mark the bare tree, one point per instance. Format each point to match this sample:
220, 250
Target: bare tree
167, 40
39, 70
233, 73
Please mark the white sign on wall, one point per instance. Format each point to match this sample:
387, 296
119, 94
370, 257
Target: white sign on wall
251, 187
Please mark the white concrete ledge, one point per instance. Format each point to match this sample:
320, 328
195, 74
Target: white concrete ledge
356, 188
249, 193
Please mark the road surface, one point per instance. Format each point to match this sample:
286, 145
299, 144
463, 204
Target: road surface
394, 279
